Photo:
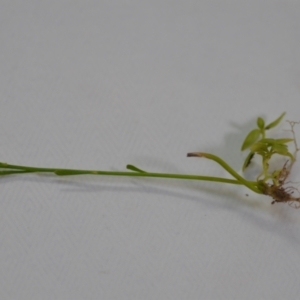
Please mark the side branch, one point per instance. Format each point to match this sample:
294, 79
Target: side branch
252, 186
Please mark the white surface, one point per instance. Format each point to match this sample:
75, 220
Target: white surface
99, 84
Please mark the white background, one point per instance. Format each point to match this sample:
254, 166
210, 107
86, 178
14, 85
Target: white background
99, 84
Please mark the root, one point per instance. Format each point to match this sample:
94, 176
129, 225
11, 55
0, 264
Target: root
292, 124
280, 192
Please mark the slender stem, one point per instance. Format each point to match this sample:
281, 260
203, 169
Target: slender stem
251, 185
12, 172
16, 169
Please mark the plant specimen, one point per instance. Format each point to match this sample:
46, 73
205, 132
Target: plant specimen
269, 182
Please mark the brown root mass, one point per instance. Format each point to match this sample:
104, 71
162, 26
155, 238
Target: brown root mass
280, 192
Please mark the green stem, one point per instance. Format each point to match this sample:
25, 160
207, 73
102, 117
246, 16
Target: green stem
251, 185
12, 172
16, 169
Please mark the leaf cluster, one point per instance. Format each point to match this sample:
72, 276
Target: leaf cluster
257, 143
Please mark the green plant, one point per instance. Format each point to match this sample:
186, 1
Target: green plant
271, 183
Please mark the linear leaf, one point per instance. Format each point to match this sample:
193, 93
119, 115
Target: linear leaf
276, 122
250, 139
260, 123
248, 160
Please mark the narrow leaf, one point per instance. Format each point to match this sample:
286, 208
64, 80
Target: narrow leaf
260, 123
276, 141
286, 154
284, 141
276, 122
250, 139
280, 148
135, 169
267, 141
248, 160
259, 147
